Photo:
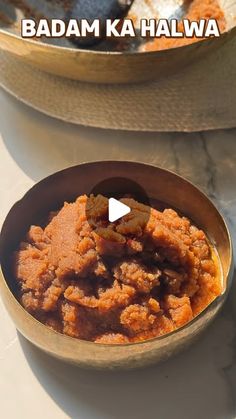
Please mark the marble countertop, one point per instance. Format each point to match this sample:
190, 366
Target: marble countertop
199, 383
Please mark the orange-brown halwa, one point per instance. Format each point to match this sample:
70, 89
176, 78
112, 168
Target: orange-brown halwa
198, 9
118, 282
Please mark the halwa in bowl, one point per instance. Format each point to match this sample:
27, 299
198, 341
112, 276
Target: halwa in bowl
114, 295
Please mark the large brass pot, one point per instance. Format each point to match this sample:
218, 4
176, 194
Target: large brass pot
110, 66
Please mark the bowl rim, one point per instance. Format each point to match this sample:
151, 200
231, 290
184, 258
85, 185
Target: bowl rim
100, 53
228, 275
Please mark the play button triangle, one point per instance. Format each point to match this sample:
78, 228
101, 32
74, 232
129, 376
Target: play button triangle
117, 210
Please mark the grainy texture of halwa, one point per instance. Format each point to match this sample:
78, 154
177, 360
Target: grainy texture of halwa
115, 283
198, 9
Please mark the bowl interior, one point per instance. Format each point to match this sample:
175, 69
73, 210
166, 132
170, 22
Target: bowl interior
162, 188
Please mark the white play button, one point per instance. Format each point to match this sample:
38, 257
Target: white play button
117, 210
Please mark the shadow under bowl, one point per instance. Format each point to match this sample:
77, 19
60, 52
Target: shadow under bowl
66, 185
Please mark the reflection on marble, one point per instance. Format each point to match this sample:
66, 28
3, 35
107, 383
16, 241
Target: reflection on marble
199, 383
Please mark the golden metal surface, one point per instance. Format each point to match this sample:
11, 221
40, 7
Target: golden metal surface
116, 67
159, 184
108, 67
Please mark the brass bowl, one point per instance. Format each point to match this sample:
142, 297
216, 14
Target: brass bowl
110, 66
159, 184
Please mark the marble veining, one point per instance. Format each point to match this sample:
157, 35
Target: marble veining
199, 383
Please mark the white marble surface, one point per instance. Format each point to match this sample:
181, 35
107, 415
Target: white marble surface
197, 384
